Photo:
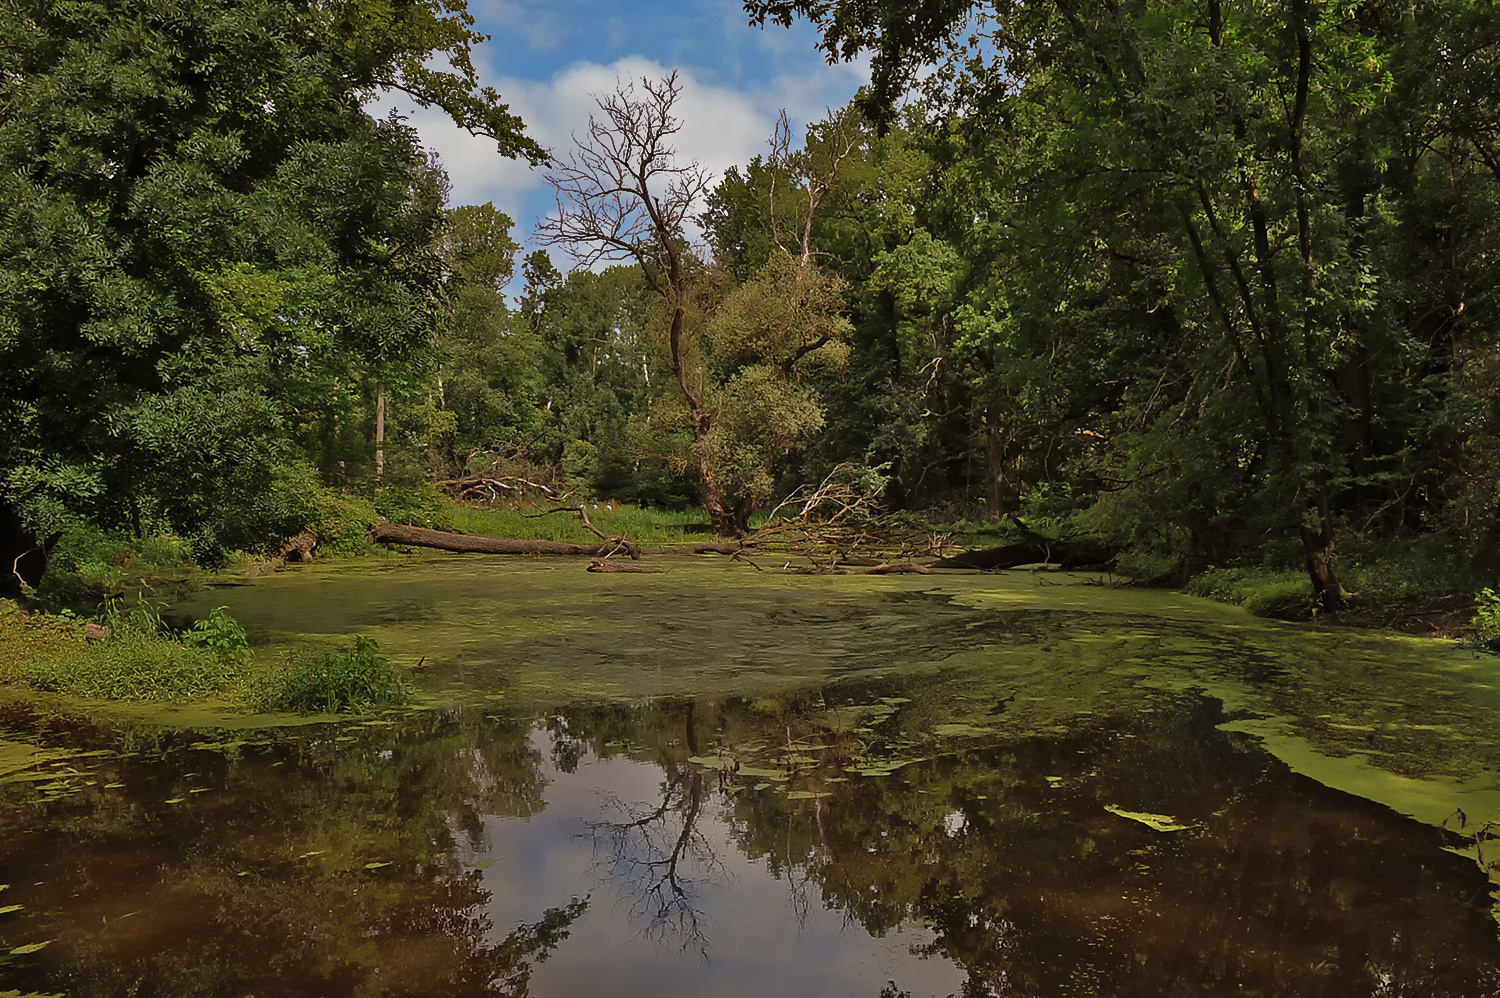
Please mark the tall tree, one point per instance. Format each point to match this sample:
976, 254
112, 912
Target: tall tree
1242, 144
196, 213
735, 360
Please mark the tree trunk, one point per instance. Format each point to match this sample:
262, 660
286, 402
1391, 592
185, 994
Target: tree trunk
395, 533
994, 439
1319, 550
379, 436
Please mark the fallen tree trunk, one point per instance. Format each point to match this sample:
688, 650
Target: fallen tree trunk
905, 568
1067, 554
605, 565
395, 533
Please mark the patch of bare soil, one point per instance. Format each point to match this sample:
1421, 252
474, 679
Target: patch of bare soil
1445, 617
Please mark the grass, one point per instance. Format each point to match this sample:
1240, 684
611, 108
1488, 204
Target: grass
642, 526
138, 660
354, 680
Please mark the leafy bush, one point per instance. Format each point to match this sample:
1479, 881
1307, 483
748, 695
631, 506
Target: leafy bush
220, 634
1486, 621
340, 522
329, 682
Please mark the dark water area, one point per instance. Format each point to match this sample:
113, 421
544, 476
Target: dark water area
1017, 809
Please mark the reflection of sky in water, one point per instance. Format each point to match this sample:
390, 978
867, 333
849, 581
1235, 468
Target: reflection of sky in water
756, 945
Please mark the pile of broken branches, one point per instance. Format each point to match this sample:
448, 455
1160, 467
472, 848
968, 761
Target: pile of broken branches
486, 491
833, 527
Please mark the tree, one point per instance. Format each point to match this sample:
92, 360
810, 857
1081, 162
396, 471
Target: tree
203, 238
622, 195
487, 388
1230, 172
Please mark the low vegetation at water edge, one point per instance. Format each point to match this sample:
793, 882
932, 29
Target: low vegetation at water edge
126, 655
353, 680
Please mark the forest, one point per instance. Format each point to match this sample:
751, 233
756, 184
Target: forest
1206, 283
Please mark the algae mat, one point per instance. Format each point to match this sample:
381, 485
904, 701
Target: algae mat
1411, 723
730, 782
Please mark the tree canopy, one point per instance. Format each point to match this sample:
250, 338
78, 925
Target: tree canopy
203, 232
1209, 285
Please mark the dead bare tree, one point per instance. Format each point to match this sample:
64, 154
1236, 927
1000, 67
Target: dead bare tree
814, 174
660, 860
622, 195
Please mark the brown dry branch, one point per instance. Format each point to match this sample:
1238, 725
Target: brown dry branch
905, 568
605, 565
490, 491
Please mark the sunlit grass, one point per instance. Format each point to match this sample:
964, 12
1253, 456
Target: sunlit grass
135, 661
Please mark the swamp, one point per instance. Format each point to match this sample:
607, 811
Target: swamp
1174, 303
717, 780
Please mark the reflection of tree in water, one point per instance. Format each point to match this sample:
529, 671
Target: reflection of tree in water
1008, 853
658, 857
660, 861
1034, 888
320, 862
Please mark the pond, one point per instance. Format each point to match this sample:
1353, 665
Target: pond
730, 782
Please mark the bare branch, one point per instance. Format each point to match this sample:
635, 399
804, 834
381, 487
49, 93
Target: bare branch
621, 194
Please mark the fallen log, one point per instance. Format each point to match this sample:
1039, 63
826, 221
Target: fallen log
904, 568
606, 565
395, 533
707, 547
1067, 554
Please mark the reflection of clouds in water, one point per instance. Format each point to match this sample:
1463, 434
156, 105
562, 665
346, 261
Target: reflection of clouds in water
753, 942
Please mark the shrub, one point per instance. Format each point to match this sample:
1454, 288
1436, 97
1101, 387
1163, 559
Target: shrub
219, 634
1486, 621
340, 522
329, 682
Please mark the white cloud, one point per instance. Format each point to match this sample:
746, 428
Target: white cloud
721, 127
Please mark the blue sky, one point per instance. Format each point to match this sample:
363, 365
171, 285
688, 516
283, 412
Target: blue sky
546, 57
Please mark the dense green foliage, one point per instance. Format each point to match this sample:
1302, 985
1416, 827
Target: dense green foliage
1211, 285
209, 253
354, 680
1224, 273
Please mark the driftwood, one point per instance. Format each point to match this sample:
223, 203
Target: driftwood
395, 533
1067, 554
491, 490
708, 547
604, 565
905, 568
293, 549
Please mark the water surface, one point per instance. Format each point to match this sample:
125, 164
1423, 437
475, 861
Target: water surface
717, 781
